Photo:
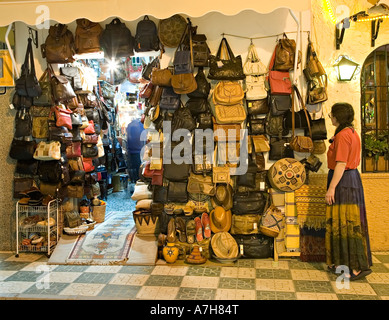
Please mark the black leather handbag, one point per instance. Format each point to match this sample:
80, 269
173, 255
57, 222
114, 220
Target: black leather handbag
28, 167
275, 126
169, 99
205, 121
23, 123
50, 171
300, 120
148, 68
160, 194
183, 119
203, 86
248, 179
176, 172
177, 192
249, 203
28, 84
22, 149
257, 126
73, 76
279, 148
230, 68
318, 129
201, 50
257, 107
279, 104
255, 246
197, 105
89, 150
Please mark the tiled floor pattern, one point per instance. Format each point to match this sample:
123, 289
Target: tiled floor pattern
29, 276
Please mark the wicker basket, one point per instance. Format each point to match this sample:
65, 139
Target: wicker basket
98, 213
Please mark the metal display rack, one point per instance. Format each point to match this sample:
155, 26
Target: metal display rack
50, 232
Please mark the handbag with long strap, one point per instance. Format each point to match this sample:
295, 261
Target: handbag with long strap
301, 143
28, 84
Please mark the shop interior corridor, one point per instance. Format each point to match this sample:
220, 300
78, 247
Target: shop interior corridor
30, 277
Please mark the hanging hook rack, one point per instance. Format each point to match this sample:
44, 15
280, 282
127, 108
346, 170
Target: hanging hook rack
33, 34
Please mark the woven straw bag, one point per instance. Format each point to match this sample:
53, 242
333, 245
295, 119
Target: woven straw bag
287, 174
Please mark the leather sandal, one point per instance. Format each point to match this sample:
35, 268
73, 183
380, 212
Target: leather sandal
171, 231
206, 225
199, 229
181, 229
190, 231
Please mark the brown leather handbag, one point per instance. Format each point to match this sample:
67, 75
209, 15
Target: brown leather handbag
87, 36
301, 143
161, 77
285, 54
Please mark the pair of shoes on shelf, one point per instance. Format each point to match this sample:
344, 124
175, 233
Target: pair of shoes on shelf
203, 228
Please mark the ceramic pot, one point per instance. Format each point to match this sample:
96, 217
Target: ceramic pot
170, 252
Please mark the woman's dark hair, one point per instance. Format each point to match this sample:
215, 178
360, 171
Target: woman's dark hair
344, 114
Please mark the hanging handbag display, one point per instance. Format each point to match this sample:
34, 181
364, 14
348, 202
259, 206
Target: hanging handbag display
301, 143
229, 68
27, 84
253, 65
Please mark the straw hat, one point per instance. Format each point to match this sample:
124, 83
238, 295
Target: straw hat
170, 30
224, 245
220, 219
223, 196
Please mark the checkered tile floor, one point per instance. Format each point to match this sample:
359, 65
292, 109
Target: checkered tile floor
29, 276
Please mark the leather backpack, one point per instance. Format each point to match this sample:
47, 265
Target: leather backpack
87, 36
146, 36
116, 40
285, 54
59, 45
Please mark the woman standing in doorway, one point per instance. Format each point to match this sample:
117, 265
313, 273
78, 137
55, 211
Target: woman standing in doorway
347, 238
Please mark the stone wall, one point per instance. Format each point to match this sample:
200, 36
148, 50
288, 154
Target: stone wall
7, 168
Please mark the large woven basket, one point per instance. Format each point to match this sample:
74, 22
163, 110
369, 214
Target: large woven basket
98, 213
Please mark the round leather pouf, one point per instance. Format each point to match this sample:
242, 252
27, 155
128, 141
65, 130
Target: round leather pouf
287, 174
